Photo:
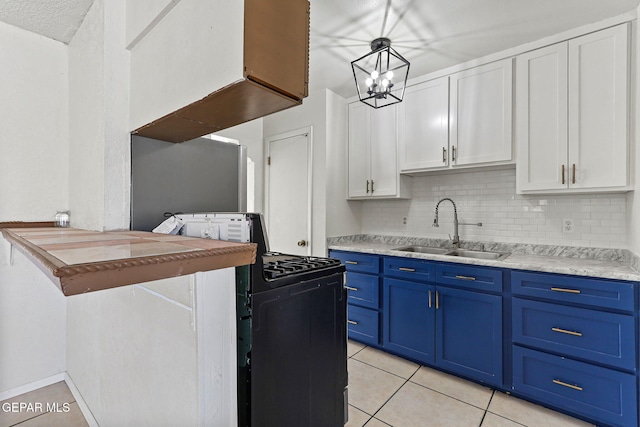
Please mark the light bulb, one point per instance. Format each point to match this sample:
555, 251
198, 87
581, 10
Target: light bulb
385, 83
368, 82
375, 74
389, 74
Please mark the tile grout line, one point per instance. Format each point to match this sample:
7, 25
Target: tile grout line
493, 392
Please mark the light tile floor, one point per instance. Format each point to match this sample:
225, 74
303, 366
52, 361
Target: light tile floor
63, 409
385, 390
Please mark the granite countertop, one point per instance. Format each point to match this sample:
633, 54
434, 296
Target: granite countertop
79, 261
609, 264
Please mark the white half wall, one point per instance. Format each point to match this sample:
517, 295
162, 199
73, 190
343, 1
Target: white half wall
34, 174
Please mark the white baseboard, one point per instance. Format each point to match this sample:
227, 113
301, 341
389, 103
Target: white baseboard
32, 386
80, 401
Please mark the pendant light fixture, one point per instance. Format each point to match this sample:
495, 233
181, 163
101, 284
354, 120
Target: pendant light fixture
381, 75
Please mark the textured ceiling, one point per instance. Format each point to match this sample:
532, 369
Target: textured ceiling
431, 34
56, 19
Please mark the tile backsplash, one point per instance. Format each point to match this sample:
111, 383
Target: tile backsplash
489, 197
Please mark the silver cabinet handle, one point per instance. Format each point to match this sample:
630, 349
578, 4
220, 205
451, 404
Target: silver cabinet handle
372, 190
351, 262
453, 153
351, 322
367, 186
572, 386
563, 174
437, 300
465, 278
565, 290
566, 331
444, 155
573, 176
411, 270
429, 298
349, 288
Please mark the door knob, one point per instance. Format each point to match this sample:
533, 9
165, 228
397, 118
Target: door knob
302, 243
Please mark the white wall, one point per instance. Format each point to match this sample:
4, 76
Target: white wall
98, 120
34, 175
250, 134
489, 197
195, 49
343, 217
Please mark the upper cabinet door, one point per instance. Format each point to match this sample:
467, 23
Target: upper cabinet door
384, 163
541, 118
423, 126
359, 162
598, 84
481, 114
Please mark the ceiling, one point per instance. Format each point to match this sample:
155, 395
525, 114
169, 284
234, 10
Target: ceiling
431, 34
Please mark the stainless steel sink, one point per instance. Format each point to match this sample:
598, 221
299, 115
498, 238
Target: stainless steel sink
423, 250
496, 256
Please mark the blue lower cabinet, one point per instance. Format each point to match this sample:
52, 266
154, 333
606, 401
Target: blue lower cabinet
601, 394
363, 290
469, 334
362, 324
409, 319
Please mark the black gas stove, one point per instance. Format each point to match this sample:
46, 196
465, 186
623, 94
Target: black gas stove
276, 265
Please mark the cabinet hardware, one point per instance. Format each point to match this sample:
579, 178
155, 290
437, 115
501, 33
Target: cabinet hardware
437, 300
565, 331
465, 277
562, 174
351, 262
444, 155
351, 322
562, 383
573, 176
406, 269
367, 186
453, 153
569, 291
372, 187
349, 288
302, 243
429, 298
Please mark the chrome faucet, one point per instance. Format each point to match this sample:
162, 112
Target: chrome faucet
456, 237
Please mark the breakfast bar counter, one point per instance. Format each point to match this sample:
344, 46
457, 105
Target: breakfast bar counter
80, 261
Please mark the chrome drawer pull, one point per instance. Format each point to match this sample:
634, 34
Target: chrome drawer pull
349, 288
465, 277
437, 300
351, 322
429, 298
351, 262
562, 383
564, 331
406, 269
569, 291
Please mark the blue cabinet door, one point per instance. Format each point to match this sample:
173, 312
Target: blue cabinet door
469, 334
409, 319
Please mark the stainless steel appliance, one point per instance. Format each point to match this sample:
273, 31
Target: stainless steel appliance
201, 175
291, 321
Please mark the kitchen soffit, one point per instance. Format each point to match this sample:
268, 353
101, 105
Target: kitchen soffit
432, 34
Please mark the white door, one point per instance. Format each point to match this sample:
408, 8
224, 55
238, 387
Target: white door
541, 118
598, 109
423, 126
288, 192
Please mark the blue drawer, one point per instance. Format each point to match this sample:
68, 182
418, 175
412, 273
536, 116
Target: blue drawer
472, 277
573, 289
362, 324
599, 393
363, 290
362, 263
410, 269
606, 338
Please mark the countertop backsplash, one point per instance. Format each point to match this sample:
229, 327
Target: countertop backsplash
599, 220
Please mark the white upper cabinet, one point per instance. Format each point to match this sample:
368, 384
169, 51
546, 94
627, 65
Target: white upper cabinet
481, 114
572, 115
372, 156
461, 120
423, 126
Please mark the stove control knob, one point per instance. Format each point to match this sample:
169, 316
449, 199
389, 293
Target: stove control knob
302, 243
